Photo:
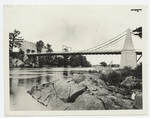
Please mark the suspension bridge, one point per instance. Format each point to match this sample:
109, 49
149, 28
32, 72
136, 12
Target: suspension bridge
122, 45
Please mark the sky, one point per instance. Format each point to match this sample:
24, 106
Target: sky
77, 26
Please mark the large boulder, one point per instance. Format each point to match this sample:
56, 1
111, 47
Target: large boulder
65, 91
88, 102
88, 79
77, 78
66, 88
112, 102
108, 103
95, 90
128, 103
94, 80
43, 93
107, 71
89, 94
131, 82
138, 104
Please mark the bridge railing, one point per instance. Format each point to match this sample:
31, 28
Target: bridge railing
97, 52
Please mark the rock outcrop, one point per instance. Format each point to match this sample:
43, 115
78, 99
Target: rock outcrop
82, 92
132, 82
138, 104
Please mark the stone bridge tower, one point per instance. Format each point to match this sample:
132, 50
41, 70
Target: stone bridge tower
128, 54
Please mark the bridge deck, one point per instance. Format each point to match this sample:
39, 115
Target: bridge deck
80, 53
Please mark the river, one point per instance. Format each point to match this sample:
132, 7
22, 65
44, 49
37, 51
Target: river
23, 79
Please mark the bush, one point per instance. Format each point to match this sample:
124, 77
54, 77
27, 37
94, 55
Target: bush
112, 78
139, 67
103, 64
127, 68
137, 72
92, 71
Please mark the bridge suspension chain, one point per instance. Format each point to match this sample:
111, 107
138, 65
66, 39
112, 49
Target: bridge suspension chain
110, 43
113, 44
105, 43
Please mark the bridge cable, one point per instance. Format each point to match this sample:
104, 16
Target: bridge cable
105, 42
105, 46
112, 42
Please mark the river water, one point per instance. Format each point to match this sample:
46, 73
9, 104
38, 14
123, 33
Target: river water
23, 79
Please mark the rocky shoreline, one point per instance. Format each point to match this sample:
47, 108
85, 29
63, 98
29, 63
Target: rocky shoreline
87, 92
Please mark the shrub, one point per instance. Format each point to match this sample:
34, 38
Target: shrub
92, 71
114, 78
103, 64
128, 68
137, 72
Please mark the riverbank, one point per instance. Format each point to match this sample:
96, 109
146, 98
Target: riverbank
91, 91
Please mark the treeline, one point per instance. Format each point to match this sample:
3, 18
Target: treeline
64, 61
54, 61
60, 61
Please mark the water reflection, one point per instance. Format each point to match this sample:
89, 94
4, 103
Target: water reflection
38, 81
48, 78
23, 79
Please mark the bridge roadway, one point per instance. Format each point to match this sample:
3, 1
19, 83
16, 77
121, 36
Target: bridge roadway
81, 53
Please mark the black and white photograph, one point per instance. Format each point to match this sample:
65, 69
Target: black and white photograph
69, 58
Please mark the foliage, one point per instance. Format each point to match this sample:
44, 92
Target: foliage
137, 72
103, 64
74, 61
79, 60
12, 42
92, 71
27, 61
49, 49
39, 46
17, 55
127, 68
12, 37
48, 59
113, 78
66, 60
139, 67
113, 65
41, 61
138, 31
10, 62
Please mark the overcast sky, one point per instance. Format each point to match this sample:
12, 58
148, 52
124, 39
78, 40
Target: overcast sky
79, 27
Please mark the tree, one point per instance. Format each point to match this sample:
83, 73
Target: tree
41, 61
39, 46
138, 31
73, 61
49, 49
14, 40
12, 37
103, 64
79, 60
49, 59
113, 78
65, 60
